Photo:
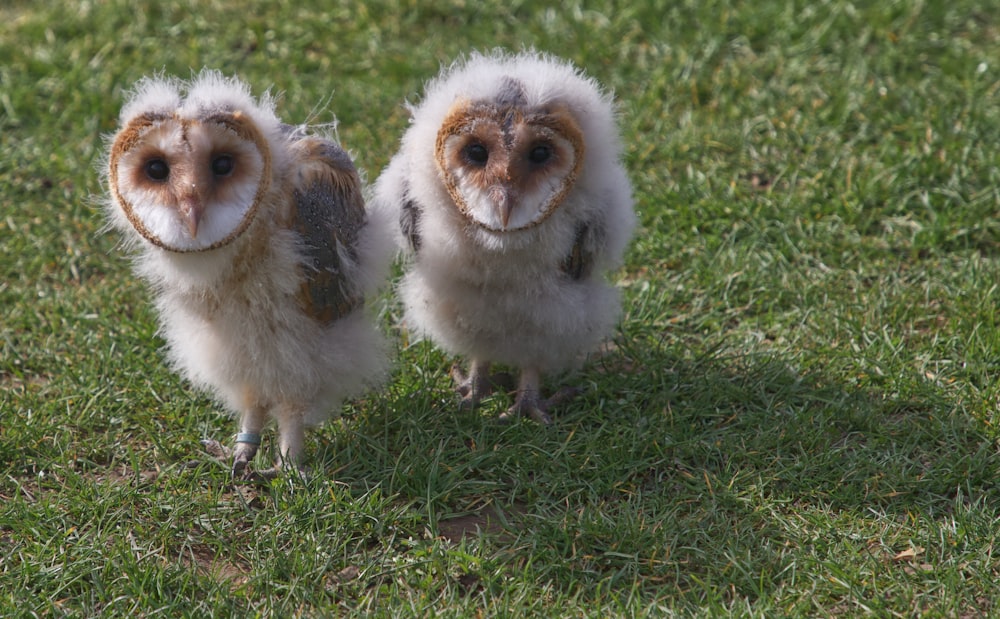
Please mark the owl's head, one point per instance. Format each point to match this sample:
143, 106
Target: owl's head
189, 172
513, 133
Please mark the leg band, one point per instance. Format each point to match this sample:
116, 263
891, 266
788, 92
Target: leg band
248, 437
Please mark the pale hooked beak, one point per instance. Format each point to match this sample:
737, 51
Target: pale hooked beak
501, 196
191, 209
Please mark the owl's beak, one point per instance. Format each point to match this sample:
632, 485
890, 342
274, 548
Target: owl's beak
505, 203
505, 209
191, 209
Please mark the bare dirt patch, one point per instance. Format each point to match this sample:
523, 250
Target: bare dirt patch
488, 519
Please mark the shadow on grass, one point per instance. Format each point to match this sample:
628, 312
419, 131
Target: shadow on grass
677, 473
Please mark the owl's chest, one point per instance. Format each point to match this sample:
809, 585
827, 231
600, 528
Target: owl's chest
241, 319
258, 291
511, 265
499, 279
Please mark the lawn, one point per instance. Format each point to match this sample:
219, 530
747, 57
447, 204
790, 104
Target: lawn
796, 416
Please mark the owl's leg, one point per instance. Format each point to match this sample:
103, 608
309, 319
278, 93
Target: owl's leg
478, 383
248, 440
529, 403
473, 386
291, 441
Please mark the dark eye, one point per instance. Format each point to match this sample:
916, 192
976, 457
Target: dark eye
157, 170
476, 154
540, 153
222, 165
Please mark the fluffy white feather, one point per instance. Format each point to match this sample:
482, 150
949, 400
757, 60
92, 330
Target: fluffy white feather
260, 292
502, 294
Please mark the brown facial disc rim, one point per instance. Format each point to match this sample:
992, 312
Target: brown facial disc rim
455, 123
233, 121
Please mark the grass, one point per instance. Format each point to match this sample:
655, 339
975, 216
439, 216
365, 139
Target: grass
795, 419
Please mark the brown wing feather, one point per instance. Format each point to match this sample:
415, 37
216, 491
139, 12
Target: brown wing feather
579, 262
328, 213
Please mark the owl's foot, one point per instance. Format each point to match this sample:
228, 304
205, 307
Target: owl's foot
243, 453
278, 470
528, 404
266, 474
478, 383
216, 449
240, 456
528, 401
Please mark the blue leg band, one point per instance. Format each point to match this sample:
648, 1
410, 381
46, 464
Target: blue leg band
248, 437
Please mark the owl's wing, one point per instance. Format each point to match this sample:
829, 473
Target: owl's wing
409, 223
327, 212
579, 262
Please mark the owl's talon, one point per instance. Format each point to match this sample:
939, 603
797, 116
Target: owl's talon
563, 395
240, 469
538, 409
272, 473
478, 384
216, 449
265, 474
540, 416
242, 456
463, 383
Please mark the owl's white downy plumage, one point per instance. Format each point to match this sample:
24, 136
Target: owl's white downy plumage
255, 240
513, 204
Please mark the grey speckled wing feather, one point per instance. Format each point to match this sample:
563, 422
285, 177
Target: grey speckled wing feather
409, 223
579, 262
328, 213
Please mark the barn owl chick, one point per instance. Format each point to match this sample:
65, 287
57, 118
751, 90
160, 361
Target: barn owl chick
513, 203
254, 238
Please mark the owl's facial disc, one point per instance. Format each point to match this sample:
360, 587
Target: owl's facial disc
508, 168
190, 185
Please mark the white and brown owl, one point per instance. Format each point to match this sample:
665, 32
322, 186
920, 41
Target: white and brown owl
254, 237
512, 200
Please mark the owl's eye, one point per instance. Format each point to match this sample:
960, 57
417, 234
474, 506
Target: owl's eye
157, 170
222, 165
540, 154
476, 154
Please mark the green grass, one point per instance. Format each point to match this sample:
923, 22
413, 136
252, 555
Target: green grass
796, 418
